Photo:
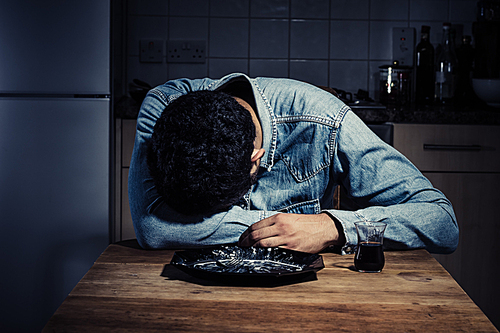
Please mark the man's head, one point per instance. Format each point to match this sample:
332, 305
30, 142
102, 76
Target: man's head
202, 157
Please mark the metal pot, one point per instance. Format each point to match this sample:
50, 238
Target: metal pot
395, 85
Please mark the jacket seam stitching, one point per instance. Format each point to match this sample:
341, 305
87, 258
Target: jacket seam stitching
269, 162
306, 118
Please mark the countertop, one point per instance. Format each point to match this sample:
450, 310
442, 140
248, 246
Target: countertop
128, 108
432, 115
129, 289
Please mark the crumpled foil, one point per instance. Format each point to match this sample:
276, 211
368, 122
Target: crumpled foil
247, 260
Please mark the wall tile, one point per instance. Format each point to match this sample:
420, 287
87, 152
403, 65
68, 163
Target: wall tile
147, 7
269, 8
229, 8
191, 71
429, 10
463, 10
217, 68
349, 39
152, 73
316, 9
269, 68
188, 7
228, 38
269, 38
145, 27
350, 9
349, 75
194, 28
309, 39
381, 38
339, 42
389, 9
312, 71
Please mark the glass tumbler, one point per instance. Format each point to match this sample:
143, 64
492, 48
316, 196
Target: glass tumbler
369, 257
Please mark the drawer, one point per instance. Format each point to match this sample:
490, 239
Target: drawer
459, 148
128, 138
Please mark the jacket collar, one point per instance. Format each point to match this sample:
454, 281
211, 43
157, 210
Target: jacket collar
264, 111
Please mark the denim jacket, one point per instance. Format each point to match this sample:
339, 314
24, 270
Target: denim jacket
312, 142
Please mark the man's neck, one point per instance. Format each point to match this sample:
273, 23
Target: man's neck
255, 119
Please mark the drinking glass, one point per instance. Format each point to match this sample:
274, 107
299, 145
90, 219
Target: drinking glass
369, 257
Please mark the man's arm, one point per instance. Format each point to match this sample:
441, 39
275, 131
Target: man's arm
384, 186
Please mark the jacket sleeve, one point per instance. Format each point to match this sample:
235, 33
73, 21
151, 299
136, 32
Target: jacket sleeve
383, 185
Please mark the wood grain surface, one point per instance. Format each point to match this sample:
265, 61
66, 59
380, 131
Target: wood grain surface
133, 290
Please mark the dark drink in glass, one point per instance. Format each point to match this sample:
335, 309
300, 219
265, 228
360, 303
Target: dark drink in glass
369, 257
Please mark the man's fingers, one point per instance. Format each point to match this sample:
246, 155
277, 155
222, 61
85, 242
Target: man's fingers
257, 232
274, 241
255, 236
244, 238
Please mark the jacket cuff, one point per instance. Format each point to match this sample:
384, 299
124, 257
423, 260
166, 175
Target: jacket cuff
346, 219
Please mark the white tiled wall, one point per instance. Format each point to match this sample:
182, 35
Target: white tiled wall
338, 43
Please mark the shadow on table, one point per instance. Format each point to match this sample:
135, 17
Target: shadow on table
344, 266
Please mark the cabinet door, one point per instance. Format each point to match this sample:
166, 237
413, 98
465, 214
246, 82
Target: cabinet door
127, 227
475, 264
128, 138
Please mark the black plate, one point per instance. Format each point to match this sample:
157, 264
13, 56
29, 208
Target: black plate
249, 266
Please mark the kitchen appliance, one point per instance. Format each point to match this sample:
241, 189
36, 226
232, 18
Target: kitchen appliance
395, 85
54, 152
359, 101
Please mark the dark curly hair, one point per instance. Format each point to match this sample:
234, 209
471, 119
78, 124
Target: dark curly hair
200, 152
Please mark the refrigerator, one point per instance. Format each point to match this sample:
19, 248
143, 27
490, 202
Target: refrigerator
54, 152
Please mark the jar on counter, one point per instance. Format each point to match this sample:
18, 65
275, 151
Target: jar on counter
395, 85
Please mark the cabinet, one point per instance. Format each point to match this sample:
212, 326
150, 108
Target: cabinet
125, 136
463, 161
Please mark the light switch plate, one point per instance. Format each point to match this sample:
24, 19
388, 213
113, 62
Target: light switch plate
186, 51
403, 45
151, 50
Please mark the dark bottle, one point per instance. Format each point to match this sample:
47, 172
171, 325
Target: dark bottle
465, 56
424, 91
446, 69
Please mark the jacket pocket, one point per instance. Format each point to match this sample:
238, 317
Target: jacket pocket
306, 151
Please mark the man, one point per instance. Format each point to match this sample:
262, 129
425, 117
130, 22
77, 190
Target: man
256, 161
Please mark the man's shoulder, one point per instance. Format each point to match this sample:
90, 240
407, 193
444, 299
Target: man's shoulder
290, 97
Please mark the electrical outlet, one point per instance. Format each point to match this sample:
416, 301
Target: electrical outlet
186, 51
403, 44
151, 50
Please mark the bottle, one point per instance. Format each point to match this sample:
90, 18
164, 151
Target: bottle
465, 56
446, 64
424, 92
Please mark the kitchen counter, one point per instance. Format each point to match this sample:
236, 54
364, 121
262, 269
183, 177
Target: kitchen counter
131, 289
432, 115
128, 108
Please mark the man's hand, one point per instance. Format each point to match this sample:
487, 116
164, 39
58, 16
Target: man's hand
301, 232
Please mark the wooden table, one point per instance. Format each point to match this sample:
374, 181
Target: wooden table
133, 290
